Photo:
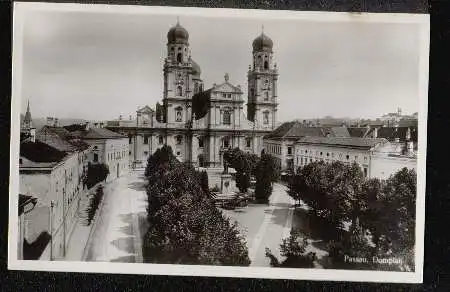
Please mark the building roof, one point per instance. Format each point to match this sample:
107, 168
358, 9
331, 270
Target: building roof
392, 133
38, 152
25, 200
343, 141
359, 132
101, 133
262, 43
295, 130
61, 139
178, 35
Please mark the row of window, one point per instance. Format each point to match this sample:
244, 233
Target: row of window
116, 155
274, 149
179, 141
327, 154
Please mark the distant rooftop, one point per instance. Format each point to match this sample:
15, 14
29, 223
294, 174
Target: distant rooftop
295, 130
80, 131
36, 153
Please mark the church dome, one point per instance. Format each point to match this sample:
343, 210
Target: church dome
178, 35
196, 68
262, 43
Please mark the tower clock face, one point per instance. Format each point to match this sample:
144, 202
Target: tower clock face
179, 78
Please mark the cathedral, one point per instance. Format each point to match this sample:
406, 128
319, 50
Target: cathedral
200, 124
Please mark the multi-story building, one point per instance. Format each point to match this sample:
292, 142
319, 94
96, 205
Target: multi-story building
108, 147
201, 124
280, 143
51, 169
377, 157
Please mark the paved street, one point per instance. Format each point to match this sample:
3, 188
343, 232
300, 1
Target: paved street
265, 225
117, 234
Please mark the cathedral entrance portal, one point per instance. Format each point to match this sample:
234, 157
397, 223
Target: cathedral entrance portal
201, 160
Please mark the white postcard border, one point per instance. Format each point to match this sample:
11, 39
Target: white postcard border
20, 10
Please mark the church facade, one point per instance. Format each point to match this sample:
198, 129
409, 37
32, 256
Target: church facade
201, 124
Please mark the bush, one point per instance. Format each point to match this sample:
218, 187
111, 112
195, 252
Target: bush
95, 174
266, 173
293, 249
184, 225
94, 202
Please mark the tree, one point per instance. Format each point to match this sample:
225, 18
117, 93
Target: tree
184, 225
391, 218
244, 164
96, 172
266, 173
293, 249
204, 182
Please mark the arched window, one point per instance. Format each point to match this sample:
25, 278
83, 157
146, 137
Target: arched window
266, 65
266, 118
200, 142
179, 91
226, 118
179, 139
196, 88
179, 57
161, 140
226, 142
266, 96
178, 114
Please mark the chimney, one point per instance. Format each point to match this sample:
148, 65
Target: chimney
50, 121
33, 135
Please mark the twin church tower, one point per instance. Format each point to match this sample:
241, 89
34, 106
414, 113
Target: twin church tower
201, 124
182, 80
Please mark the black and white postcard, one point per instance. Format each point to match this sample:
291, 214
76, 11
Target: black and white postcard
218, 142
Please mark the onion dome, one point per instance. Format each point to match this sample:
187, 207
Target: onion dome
178, 35
262, 43
196, 68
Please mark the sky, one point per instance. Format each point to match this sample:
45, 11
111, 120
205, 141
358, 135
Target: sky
98, 66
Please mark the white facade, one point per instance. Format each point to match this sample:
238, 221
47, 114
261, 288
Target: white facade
114, 152
383, 166
60, 185
305, 154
